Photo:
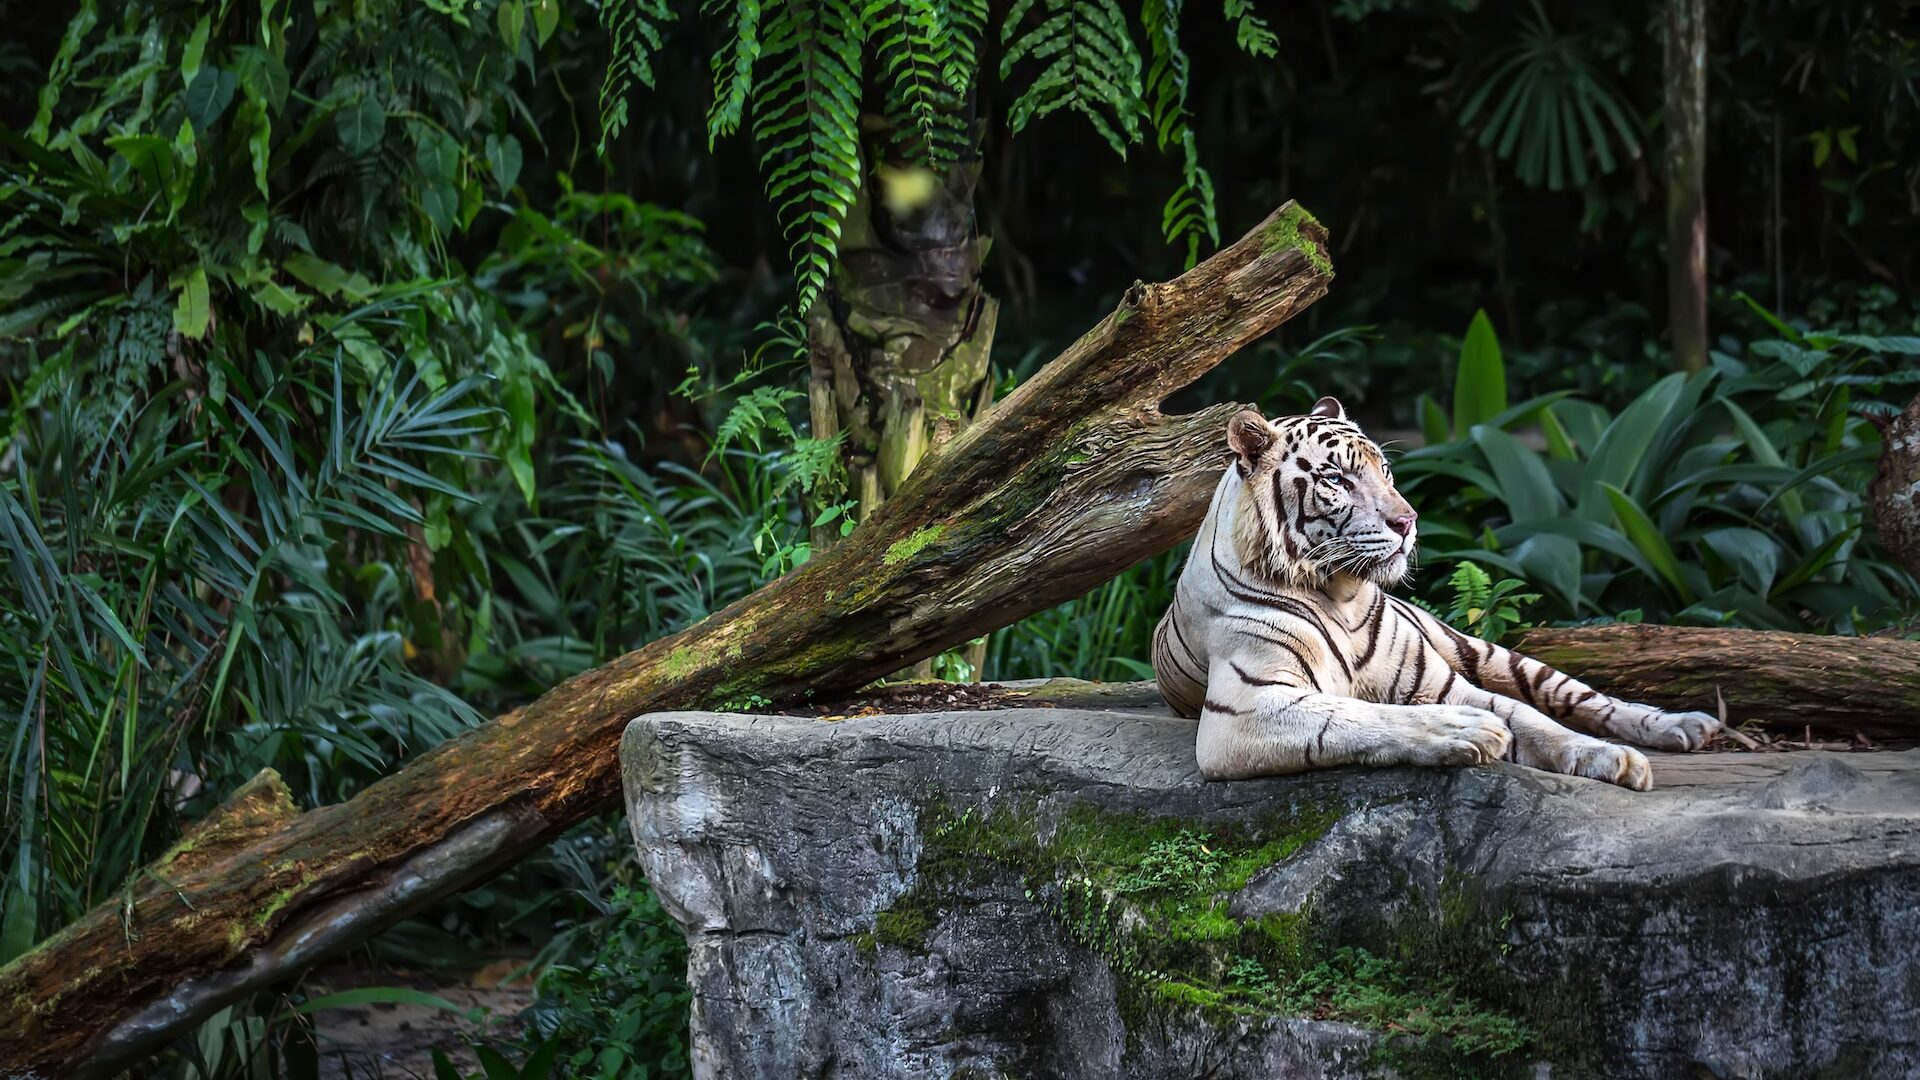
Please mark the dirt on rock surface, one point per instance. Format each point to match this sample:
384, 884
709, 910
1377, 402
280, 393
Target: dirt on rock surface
919, 697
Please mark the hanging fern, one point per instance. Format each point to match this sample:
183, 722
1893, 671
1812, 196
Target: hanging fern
967, 26
1189, 213
733, 66
800, 63
1091, 67
1250, 31
636, 29
915, 50
807, 121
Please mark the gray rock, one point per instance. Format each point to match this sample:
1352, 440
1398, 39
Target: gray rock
1000, 894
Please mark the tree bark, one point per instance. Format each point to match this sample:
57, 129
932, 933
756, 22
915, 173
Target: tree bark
1686, 167
1782, 681
1895, 491
900, 341
1071, 479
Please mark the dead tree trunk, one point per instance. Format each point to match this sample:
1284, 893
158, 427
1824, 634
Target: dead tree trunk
1071, 479
1782, 681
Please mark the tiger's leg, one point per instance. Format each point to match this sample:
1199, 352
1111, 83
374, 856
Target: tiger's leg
1567, 699
1259, 720
1540, 743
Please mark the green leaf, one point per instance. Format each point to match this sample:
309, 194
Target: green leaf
1525, 485
360, 125
546, 18
1816, 560
1646, 536
378, 995
195, 51
265, 78
511, 18
193, 313
1480, 386
504, 158
207, 99
1624, 445
1433, 422
1754, 555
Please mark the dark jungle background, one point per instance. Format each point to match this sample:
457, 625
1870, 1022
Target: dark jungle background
369, 367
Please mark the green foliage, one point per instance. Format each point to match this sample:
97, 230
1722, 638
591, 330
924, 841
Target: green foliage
1484, 607
1153, 897
1189, 213
1088, 64
1106, 634
1729, 496
807, 66
1480, 383
807, 122
267, 491
923, 58
636, 28
616, 1007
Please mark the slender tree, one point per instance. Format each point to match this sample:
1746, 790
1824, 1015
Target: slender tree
1686, 101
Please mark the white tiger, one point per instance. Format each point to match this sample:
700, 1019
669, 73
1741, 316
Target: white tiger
1283, 642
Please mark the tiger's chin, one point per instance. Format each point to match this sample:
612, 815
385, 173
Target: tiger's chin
1390, 571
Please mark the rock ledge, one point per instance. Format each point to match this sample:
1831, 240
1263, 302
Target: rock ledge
1056, 893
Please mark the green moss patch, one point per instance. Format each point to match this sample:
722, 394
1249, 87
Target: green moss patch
1285, 232
902, 550
1152, 896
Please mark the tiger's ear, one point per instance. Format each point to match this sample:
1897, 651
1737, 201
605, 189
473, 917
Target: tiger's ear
1328, 409
1249, 434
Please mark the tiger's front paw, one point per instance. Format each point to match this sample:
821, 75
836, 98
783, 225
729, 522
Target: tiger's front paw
1673, 731
1608, 762
1458, 735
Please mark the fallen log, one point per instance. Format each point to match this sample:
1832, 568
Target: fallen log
1074, 477
1784, 682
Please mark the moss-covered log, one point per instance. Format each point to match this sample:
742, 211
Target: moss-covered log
1071, 479
1782, 681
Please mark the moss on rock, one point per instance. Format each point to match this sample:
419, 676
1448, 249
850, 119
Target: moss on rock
1151, 895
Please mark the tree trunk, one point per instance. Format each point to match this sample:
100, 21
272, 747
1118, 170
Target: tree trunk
1686, 100
900, 341
1895, 491
1782, 681
1074, 477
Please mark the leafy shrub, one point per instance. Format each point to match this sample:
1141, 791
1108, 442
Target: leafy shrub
618, 1009
1731, 496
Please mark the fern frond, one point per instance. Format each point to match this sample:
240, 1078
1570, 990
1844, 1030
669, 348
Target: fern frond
733, 67
1090, 67
806, 119
1250, 31
636, 29
1189, 213
915, 48
967, 27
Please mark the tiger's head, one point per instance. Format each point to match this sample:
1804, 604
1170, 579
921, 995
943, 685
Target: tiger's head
1317, 499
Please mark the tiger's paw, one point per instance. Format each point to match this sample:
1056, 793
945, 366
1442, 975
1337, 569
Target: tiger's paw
1605, 761
1457, 735
1670, 731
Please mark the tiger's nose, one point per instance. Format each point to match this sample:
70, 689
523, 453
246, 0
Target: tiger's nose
1402, 523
